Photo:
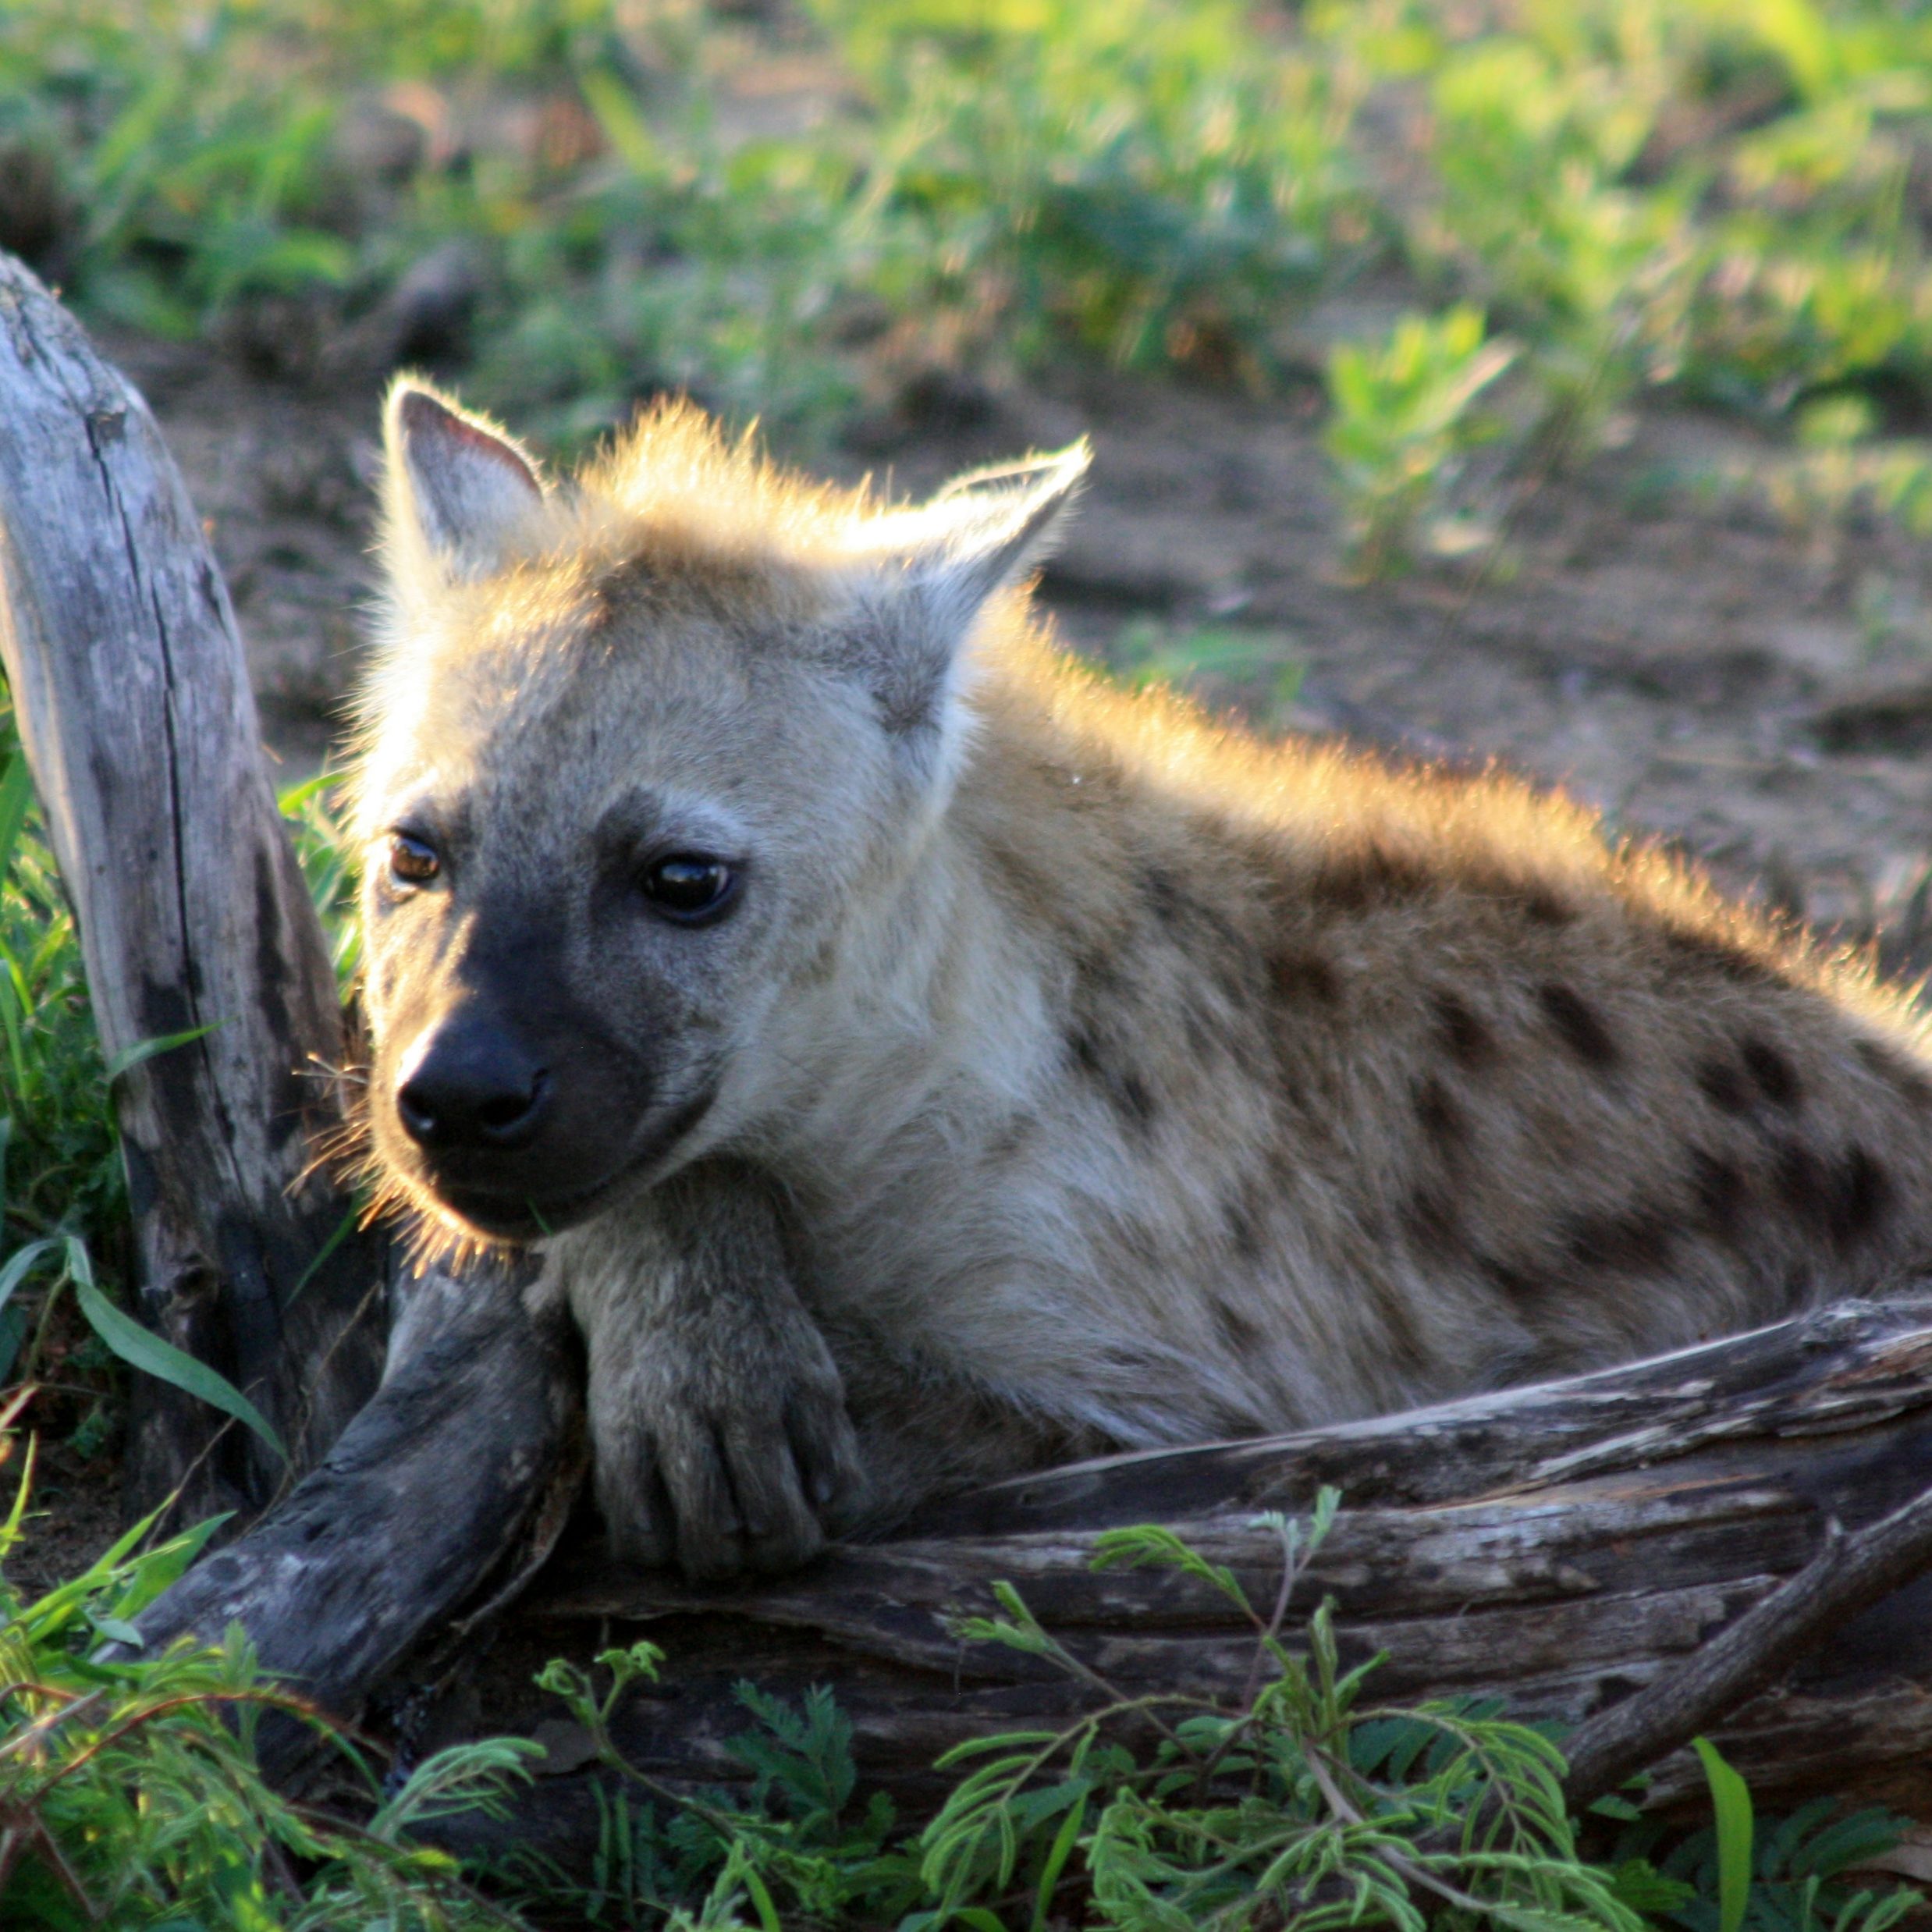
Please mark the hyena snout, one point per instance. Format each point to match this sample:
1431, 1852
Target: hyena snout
470, 1084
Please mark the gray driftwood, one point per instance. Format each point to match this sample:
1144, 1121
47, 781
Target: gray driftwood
1563, 1547
443, 1494
1560, 1546
133, 705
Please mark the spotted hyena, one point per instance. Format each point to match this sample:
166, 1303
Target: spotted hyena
917, 1060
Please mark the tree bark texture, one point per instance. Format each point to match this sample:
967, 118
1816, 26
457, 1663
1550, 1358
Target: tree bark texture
442, 1495
1559, 1547
133, 706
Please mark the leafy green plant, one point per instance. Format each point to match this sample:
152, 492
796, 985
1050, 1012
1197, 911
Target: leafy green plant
1717, 197
1403, 419
1792, 1876
693, 1858
129, 1792
130, 1795
1298, 1803
1151, 182
1213, 660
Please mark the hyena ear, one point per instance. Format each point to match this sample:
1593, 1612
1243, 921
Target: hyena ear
940, 565
459, 491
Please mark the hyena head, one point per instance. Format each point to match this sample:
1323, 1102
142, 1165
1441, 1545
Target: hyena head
638, 749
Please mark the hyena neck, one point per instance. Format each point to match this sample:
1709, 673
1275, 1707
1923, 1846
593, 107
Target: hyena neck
937, 1014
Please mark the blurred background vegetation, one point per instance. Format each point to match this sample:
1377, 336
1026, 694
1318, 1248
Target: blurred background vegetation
796, 211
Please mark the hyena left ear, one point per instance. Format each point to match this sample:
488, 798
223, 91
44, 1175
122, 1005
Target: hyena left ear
459, 491
942, 563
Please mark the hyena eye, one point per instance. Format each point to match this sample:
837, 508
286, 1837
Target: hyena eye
411, 861
688, 887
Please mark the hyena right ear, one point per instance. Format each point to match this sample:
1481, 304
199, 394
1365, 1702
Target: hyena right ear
934, 569
458, 491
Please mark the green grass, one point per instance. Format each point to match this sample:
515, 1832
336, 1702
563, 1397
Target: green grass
1721, 200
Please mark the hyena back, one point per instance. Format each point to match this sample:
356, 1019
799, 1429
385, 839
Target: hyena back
919, 1061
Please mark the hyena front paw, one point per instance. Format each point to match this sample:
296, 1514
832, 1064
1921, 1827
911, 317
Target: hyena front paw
729, 1466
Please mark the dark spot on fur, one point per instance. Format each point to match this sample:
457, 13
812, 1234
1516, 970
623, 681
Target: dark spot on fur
1304, 977
1086, 1055
1237, 1330
1721, 1192
1896, 1072
1442, 1119
1523, 1287
1430, 1217
1241, 1215
1096, 976
1723, 958
1163, 893
1777, 1078
1637, 1241
1845, 1199
1723, 1086
1125, 1091
1801, 1183
1543, 906
1863, 1195
1579, 1025
1466, 1038
1360, 880
1174, 907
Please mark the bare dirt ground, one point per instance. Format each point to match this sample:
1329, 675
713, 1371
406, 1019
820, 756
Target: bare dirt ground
1759, 694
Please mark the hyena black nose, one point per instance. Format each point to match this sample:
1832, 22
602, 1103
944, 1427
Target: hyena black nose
470, 1085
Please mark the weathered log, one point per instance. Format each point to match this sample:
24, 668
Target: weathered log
134, 709
446, 1490
1558, 1546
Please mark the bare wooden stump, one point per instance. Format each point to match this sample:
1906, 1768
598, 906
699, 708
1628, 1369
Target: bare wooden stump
133, 704
1573, 1548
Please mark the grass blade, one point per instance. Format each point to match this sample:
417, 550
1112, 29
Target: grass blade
146, 1352
145, 1050
1731, 1800
16, 794
20, 1261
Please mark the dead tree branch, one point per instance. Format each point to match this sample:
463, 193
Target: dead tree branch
133, 706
